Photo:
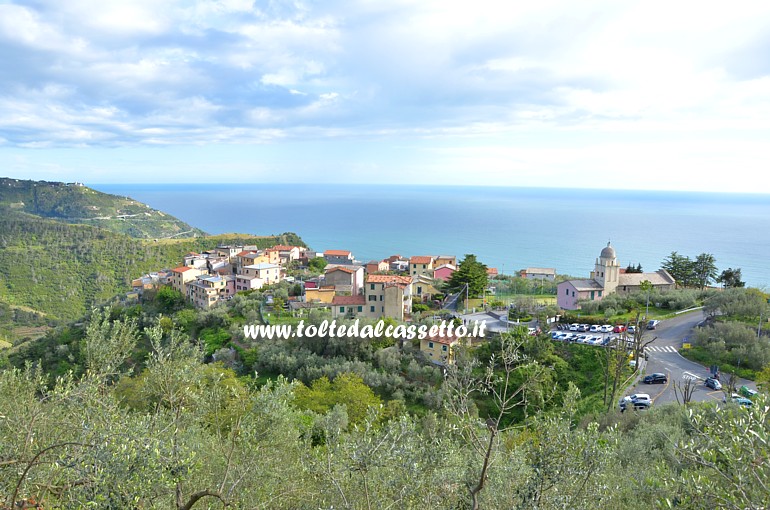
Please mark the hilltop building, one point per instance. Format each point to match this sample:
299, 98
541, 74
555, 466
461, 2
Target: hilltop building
607, 278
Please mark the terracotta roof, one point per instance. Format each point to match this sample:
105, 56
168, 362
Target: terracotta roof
181, 269
283, 247
349, 300
337, 253
447, 340
244, 253
421, 260
491, 271
388, 278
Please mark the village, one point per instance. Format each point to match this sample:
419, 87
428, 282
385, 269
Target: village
348, 288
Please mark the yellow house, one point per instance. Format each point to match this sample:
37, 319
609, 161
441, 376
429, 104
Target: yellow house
421, 266
442, 260
440, 349
347, 306
322, 295
422, 287
206, 291
388, 296
180, 276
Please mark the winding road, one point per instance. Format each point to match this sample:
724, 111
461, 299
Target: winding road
664, 357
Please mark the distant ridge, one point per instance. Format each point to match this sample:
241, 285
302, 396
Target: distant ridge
76, 203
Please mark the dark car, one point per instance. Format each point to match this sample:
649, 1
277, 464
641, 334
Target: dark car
655, 379
713, 383
653, 324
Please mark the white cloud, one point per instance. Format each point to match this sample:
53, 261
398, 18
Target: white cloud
636, 85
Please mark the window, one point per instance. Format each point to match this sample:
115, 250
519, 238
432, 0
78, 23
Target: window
419, 290
566, 292
443, 348
360, 308
371, 309
342, 309
592, 295
600, 293
372, 298
573, 293
371, 287
430, 345
424, 266
382, 296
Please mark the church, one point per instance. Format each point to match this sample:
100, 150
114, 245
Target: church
607, 278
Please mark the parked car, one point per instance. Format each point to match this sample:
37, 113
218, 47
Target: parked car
619, 328
656, 378
737, 399
574, 327
713, 383
639, 401
594, 328
632, 329
653, 324
606, 328
747, 392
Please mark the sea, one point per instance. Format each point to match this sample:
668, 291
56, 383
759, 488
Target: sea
505, 227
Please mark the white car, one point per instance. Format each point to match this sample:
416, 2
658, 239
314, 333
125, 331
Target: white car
574, 327
594, 328
606, 328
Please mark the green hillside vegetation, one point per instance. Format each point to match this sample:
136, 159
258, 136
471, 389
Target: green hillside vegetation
169, 431
75, 203
63, 270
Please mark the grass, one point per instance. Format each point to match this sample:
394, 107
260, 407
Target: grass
702, 356
543, 299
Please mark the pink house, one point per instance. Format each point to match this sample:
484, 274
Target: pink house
444, 272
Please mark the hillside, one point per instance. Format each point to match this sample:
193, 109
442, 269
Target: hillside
76, 203
61, 269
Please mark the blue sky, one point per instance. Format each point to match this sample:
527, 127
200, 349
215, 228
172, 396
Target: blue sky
596, 93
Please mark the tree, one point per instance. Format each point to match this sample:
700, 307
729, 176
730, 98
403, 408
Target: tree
347, 389
683, 390
634, 269
646, 287
317, 264
169, 300
471, 273
680, 267
731, 278
508, 377
704, 269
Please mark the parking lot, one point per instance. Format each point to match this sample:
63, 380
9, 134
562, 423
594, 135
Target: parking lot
589, 334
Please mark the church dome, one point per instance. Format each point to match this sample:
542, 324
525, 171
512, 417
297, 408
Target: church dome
608, 252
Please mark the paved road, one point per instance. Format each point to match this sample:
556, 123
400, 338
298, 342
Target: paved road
664, 357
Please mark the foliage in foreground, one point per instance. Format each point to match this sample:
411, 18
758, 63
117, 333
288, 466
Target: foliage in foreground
187, 435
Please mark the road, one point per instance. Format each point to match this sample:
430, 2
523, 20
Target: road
664, 357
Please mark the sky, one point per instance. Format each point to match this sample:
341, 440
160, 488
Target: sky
552, 93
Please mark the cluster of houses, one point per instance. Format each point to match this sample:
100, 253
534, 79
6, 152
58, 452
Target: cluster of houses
350, 288
375, 289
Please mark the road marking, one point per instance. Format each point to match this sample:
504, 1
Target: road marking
664, 348
691, 376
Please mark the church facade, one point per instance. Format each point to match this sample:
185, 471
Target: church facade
608, 278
